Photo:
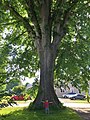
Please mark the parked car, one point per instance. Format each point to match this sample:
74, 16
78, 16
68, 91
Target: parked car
69, 95
78, 97
18, 97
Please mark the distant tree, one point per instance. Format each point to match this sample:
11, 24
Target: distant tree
12, 83
19, 89
33, 90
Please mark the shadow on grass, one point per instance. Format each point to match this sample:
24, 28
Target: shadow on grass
24, 114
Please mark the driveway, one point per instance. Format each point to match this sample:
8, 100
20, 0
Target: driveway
83, 109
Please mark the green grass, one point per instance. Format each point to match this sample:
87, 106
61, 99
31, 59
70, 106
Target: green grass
79, 101
15, 113
74, 101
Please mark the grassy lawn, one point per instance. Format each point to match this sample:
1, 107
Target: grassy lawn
15, 113
79, 101
73, 101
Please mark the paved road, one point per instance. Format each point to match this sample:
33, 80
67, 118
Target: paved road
71, 104
24, 104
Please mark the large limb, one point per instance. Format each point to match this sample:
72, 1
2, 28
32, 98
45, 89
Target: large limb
21, 18
60, 27
32, 15
45, 15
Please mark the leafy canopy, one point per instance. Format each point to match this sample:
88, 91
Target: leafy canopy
20, 27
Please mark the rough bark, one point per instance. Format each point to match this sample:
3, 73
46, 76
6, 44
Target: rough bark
46, 88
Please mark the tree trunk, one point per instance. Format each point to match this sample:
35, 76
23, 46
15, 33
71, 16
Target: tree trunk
47, 55
46, 88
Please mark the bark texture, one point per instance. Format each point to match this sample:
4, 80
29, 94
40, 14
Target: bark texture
46, 88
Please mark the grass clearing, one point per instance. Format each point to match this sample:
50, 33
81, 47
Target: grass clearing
16, 113
67, 100
80, 101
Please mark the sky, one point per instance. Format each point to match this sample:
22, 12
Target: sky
28, 80
31, 80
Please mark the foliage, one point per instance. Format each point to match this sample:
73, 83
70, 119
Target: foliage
18, 54
12, 83
18, 89
5, 96
20, 46
34, 89
73, 64
73, 60
6, 89
21, 114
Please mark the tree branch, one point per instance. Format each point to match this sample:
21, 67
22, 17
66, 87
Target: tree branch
16, 38
60, 28
33, 16
24, 20
67, 12
57, 10
19, 35
57, 38
10, 23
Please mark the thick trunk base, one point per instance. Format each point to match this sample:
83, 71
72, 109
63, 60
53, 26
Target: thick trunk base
38, 102
46, 88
